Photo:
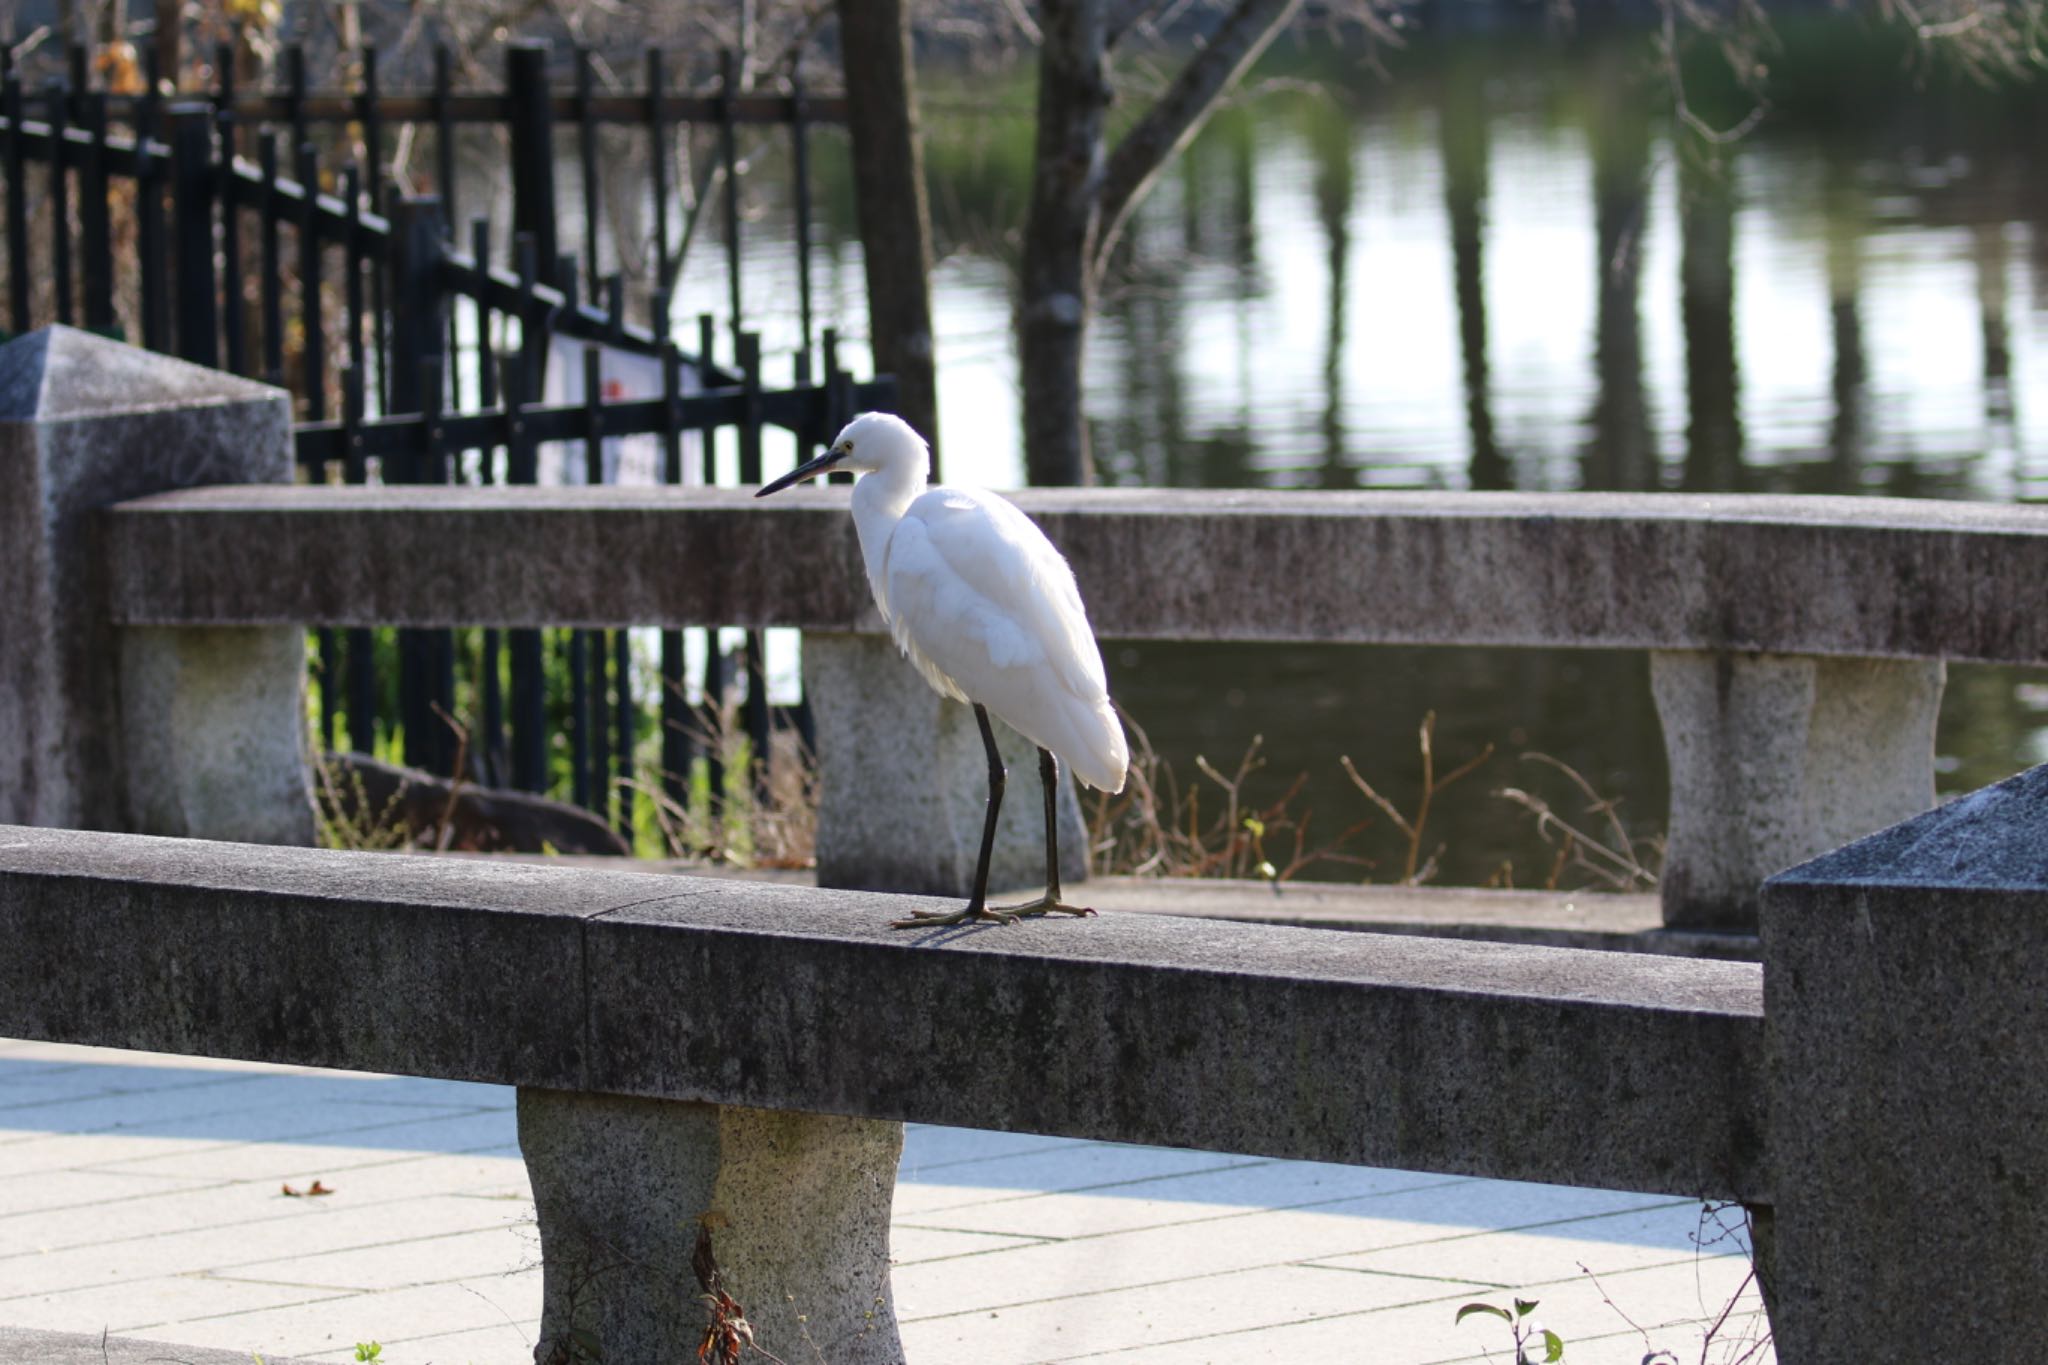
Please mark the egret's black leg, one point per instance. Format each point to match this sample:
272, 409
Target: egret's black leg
977, 906
1050, 902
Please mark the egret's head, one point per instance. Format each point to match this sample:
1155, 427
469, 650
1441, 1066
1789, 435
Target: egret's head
872, 441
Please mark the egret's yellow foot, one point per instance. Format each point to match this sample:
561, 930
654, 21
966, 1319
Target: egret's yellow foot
1046, 905
939, 919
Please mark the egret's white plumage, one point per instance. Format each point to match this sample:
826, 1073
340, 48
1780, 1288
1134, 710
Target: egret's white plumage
980, 602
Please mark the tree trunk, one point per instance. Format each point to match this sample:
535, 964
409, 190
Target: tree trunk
1059, 238
1081, 198
889, 190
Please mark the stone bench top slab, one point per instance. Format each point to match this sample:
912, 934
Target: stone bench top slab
1619, 1070
1868, 577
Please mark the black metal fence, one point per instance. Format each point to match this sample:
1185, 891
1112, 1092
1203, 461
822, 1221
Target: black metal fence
208, 226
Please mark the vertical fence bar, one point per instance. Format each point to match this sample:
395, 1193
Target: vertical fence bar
491, 745
713, 724
579, 717
728, 150
149, 234
371, 122
295, 95
622, 684
233, 313
532, 132
78, 66
596, 654
444, 177
224, 97
96, 228
313, 327
425, 657
756, 649
192, 212
272, 284
657, 160
586, 151
800, 159
529, 703
326, 641
60, 199
362, 645
678, 754
352, 252
17, 209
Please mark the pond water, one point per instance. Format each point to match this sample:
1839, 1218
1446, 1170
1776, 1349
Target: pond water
1494, 265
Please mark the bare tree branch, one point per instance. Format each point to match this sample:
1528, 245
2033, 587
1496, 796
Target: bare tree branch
1177, 115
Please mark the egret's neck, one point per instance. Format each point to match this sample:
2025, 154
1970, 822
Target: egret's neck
879, 502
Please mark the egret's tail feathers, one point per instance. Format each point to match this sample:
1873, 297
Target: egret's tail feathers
1104, 760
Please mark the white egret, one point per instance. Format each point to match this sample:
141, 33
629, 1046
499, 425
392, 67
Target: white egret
986, 609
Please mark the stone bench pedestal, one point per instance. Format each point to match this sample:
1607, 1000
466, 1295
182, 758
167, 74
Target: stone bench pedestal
905, 781
1777, 758
797, 1207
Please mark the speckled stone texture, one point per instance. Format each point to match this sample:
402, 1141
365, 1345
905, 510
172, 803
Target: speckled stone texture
903, 782
1906, 1018
166, 732
797, 1206
1617, 1070
1776, 758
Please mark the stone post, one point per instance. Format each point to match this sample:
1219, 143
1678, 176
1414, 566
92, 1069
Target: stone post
1904, 1022
904, 781
199, 733
1775, 758
796, 1206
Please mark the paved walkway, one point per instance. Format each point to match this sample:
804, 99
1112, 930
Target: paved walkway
145, 1195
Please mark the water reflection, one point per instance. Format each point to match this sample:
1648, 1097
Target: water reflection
1503, 267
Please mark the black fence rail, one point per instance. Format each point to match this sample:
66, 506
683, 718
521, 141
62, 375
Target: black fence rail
214, 227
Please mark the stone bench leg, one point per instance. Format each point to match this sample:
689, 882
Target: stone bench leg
797, 1205
904, 781
1776, 758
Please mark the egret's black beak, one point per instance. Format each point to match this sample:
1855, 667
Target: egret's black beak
803, 471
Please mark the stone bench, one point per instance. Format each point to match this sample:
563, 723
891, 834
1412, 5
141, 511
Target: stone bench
697, 1049
691, 1046
1797, 644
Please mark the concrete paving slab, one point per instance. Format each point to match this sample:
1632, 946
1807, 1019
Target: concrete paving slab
139, 1145
336, 1148
1075, 1324
213, 1208
1077, 1166
273, 1250
1194, 1197
1553, 1252
401, 1320
81, 1189
21, 1347
1009, 1247
402, 1262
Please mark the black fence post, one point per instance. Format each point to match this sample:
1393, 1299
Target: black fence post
419, 328
192, 233
97, 228
531, 124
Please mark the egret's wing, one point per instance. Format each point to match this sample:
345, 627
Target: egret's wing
987, 610
996, 551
